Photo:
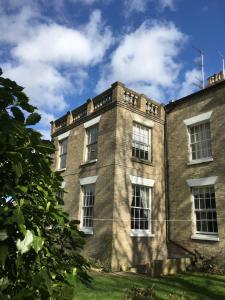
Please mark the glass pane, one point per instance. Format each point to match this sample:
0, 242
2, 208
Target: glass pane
63, 146
63, 161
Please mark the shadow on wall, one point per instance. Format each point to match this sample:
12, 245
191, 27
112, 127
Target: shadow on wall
135, 251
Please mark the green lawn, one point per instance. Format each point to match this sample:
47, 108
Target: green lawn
196, 286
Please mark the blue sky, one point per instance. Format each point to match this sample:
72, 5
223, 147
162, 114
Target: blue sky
66, 51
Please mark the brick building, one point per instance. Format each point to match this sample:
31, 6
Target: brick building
145, 180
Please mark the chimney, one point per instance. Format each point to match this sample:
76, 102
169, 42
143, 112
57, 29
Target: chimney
215, 78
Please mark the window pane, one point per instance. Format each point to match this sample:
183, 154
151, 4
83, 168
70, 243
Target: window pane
92, 139
63, 161
205, 209
88, 205
140, 147
200, 141
140, 208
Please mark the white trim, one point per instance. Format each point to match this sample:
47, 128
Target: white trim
92, 122
200, 160
89, 162
61, 170
142, 120
202, 181
87, 230
142, 181
206, 237
198, 119
88, 180
141, 232
63, 135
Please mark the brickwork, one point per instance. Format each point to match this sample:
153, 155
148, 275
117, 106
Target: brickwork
127, 250
112, 241
180, 200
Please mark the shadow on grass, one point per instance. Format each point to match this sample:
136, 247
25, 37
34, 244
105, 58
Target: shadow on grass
192, 286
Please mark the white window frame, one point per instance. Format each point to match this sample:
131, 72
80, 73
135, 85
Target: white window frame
87, 125
198, 183
194, 122
64, 154
148, 145
94, 144
84, 182
146, 183
61, 137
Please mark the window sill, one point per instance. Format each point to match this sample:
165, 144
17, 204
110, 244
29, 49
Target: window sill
89, 162
87, 230
205, 237
142, 161
199, 161
141, 233
61, 170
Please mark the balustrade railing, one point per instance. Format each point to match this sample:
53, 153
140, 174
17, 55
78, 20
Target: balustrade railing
102, 100
61, 122
118, 92
79, 112
152, 108
130, 98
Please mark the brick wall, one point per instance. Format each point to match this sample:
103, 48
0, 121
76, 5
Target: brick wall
180, 201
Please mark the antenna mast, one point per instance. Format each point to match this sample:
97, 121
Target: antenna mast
201, 66
222, 58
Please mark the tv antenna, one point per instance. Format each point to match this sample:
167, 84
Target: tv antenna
200, 62
222, 58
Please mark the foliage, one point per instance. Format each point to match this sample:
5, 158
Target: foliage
213, 264
136, 293
104, 266
39, 245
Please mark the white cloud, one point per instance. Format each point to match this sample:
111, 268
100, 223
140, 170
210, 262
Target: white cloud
188, 86
49, 59
57, 44
167, 4
146, 59
141, 6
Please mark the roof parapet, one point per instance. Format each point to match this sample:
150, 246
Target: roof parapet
117, 93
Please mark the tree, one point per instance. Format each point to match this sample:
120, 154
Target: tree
39, 244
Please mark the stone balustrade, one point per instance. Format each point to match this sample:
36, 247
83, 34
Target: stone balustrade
130, 98
79, 112
102, 100
152, 108
117, 93
62, 122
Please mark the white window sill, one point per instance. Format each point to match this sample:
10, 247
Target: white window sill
89, 162
199, 161
61, 170
87, 230
141, 233
205, 237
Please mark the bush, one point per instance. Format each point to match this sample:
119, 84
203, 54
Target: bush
39, 245
136, 293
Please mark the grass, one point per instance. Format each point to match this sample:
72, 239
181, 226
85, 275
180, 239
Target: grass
193, 286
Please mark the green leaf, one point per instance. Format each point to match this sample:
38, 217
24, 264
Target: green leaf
3, 254
17, 167
18, 216
4, 282
3, 235
37, 243
17, 113
33, 119
24, 245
